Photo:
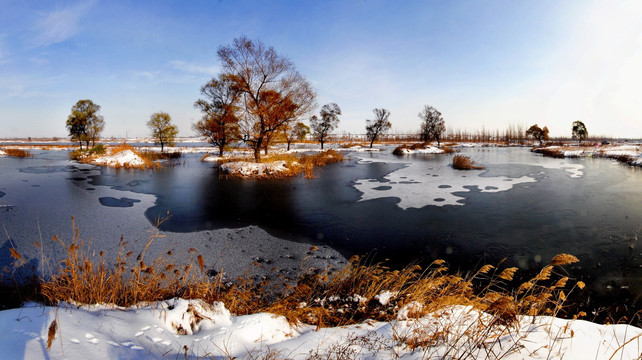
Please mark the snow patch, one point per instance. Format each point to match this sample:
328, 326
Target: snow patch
385, 296
212, 158
122, 158
426, 150
187, 317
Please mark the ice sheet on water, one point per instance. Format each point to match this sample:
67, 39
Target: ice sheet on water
417, 186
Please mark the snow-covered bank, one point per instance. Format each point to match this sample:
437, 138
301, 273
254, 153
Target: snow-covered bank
255, 170
126, 158
2, 153
404, 150
194, 330
631, 154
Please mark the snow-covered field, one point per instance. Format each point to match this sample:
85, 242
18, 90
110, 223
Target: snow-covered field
195, 330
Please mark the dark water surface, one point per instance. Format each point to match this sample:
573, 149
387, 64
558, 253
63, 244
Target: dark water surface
523, 207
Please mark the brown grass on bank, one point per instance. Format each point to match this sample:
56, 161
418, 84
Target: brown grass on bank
296, 164
461, 162
348, 296
447, 149
17, 152
550, 152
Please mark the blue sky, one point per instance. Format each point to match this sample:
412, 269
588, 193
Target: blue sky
486, 64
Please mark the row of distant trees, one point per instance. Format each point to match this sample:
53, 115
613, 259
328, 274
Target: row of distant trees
259, 96
85, 125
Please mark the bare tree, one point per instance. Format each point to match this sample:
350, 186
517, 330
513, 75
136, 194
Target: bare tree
433, 124
163, 131
327, 121
296, 131
272, 92
379, 125
220, 123
538, 133
579, 131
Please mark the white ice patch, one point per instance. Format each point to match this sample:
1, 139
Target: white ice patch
574, 169
417, 186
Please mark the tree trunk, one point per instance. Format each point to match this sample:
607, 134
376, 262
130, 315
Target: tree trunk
221, 146
289, 145
372, 141
257, 150
321, 144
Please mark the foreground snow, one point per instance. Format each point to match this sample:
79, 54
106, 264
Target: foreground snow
193, 329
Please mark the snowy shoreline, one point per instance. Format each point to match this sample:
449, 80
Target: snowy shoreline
193, 329
630, 154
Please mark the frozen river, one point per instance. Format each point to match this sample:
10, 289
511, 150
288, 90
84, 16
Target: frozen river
522, 207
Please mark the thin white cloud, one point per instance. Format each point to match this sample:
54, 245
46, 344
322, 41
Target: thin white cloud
59, 25
149, 75
193, 68
24, 86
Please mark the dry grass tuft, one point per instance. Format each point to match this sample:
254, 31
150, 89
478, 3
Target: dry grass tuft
448, 150
51, 333
17, 153
399, 150
85, 279
461, 162
156, 155
550, 152
564, 259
